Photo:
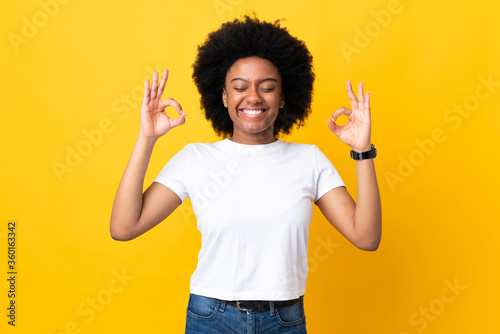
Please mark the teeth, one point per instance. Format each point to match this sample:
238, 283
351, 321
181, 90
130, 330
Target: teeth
253, 112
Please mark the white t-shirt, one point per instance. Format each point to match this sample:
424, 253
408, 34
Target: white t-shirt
253, 205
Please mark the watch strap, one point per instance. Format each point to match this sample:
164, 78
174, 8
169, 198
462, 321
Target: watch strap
364, 155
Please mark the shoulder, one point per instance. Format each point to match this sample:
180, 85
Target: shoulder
301, 148
203, 147
309, 152
199, 146
201, 150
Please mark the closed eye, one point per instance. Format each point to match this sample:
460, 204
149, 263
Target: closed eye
265, 90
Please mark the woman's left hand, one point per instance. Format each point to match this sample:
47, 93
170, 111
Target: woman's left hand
357, 131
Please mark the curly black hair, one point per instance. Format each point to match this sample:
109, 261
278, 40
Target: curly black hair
246, 38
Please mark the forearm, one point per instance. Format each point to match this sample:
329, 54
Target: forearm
127, 205
368, 216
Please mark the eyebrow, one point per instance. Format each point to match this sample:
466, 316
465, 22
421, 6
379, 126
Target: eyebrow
261, 81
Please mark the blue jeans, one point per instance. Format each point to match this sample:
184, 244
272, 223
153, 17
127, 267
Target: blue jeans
212, 316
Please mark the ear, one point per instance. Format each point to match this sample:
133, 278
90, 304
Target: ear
224, 97
282, 102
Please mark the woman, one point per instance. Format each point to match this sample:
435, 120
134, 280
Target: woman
252, 193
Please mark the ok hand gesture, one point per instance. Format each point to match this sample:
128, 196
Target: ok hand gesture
357, 131
154, 121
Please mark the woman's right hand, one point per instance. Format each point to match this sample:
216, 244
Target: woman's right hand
154, 121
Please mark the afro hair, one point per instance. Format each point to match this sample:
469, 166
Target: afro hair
250, 37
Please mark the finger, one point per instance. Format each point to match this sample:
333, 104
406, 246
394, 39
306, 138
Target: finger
352, 96
179, 120
171, 103
341, 111
361, 95
162, 83
154, 86
367, 103
333, 127
145, 99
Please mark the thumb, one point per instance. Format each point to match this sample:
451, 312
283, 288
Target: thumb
179, 120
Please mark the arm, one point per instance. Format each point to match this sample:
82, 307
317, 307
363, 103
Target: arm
361, 222
134, 212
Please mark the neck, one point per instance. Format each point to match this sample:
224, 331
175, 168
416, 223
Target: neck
253, 138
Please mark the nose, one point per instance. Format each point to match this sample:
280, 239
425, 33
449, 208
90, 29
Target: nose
253, 96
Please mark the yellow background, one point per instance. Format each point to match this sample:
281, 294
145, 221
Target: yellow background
81, 67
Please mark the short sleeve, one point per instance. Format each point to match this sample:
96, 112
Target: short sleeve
328, 177
173, 175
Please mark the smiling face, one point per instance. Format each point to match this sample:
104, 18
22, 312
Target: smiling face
252, 95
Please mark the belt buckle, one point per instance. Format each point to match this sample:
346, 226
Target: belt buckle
240, 308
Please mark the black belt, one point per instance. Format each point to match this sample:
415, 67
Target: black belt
260, 305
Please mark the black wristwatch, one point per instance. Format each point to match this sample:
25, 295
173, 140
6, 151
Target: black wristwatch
364, 155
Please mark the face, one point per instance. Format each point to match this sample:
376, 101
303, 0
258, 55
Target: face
252, 95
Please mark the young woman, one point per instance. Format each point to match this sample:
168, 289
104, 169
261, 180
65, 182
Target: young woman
252, 193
